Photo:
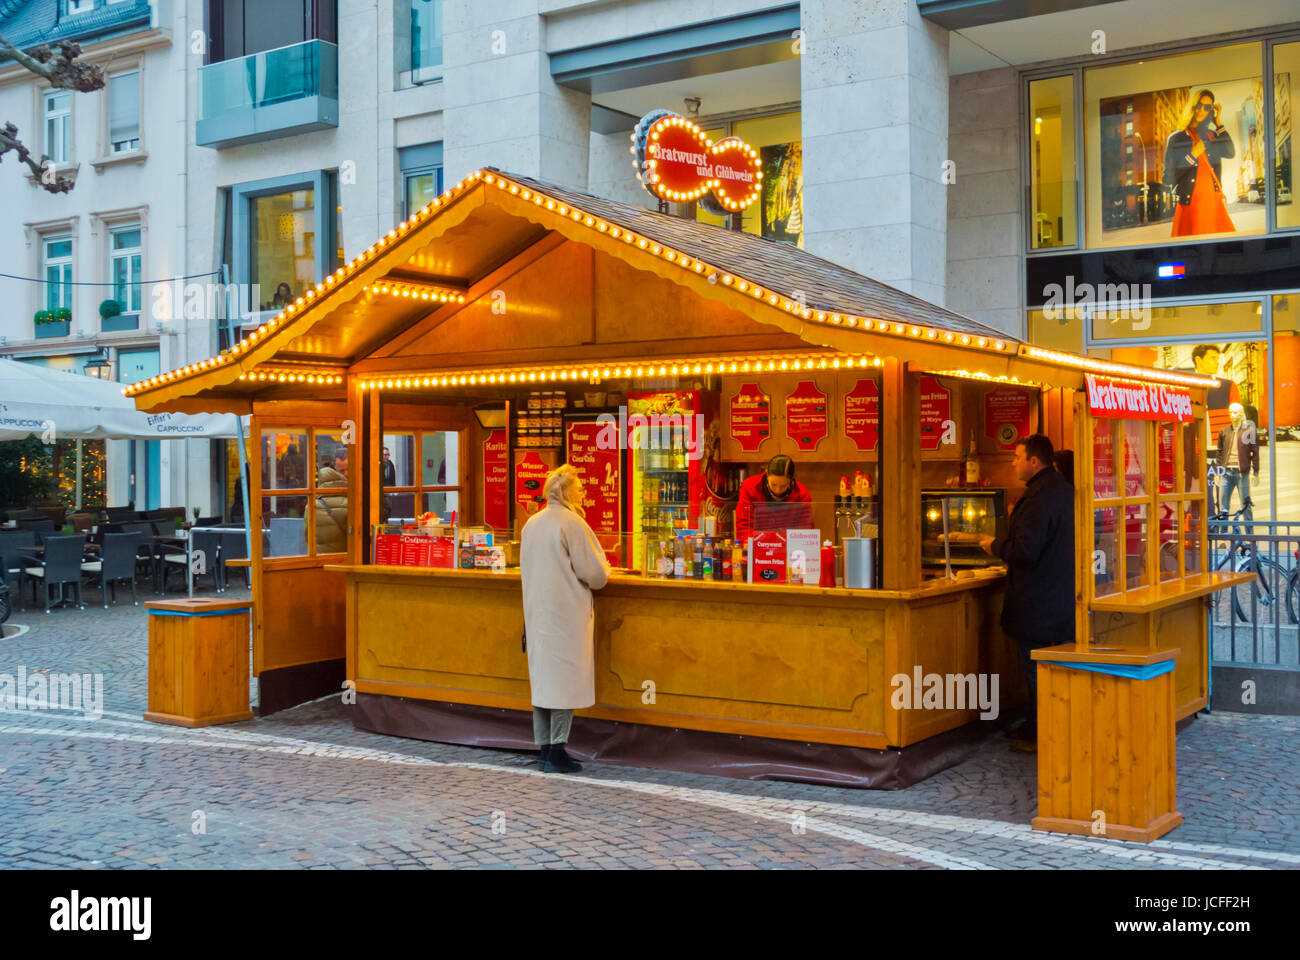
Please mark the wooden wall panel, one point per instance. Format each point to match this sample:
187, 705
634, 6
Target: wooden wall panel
303, 612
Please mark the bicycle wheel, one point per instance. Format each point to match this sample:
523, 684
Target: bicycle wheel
1260, 601
1220, 606
1293, 597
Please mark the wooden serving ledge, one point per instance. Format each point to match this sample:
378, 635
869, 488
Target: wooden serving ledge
1171, 593
811, 664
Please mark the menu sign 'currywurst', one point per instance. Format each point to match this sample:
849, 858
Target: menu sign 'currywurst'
750, 416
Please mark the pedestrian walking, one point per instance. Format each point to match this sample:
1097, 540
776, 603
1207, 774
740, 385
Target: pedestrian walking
560, 563
1038, 608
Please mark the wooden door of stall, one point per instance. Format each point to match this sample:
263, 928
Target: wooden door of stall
302, 514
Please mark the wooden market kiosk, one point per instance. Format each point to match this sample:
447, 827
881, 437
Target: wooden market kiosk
505, 286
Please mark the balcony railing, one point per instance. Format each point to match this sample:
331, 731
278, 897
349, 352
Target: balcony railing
275, 93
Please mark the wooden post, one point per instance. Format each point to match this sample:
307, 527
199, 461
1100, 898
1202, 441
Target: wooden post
900, 478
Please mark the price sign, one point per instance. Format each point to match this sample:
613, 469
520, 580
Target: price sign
602, 495
530, 478
750, 416
807, 418
936, 410
1008, 416
862, 415
496, 480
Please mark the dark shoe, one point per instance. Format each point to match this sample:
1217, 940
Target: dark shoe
544, 756
560, 761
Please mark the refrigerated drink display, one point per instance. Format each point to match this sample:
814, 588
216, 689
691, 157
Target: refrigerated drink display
663, 467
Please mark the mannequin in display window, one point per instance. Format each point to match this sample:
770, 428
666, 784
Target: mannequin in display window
1239, 458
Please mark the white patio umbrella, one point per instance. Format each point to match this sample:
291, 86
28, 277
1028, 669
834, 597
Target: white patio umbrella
68, 406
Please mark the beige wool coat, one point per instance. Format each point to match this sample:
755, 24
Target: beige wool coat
560, 563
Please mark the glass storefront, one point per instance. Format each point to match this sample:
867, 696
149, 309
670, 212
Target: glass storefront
778, 213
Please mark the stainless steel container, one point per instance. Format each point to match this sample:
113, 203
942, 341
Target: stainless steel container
860, 563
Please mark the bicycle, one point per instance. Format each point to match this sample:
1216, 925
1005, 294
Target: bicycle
1261, 595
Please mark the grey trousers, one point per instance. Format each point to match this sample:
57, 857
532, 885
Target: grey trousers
551, 726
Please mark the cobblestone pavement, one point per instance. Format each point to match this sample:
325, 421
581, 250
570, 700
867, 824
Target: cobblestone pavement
303, 788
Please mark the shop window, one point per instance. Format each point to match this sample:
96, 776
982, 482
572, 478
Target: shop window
422, 474
1051, 162
305, 504
778, 212
1058, 329
1198, 147
1286, 92
1114, 317
283, 252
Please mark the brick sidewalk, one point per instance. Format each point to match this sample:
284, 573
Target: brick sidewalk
303, 788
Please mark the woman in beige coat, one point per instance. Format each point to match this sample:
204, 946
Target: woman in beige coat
560, 563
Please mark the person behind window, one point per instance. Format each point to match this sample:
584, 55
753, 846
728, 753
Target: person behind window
560, 563
332, 511
1239, 456
775, 485
283, 297
1194, 155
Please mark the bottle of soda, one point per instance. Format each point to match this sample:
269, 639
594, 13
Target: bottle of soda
707, 573
679, 559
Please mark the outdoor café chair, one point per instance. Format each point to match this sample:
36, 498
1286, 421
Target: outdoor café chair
234, 546
116, 563
41, 526
208, 541
14, 561
60, 565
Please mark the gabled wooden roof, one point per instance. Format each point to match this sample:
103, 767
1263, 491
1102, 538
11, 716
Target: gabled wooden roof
450, 253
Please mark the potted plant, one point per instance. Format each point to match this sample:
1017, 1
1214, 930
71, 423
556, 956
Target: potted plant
52, 323
110, 317
178, 523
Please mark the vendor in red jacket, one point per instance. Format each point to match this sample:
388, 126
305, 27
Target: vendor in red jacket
776, 485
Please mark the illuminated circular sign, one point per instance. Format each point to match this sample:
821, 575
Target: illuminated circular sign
676, 161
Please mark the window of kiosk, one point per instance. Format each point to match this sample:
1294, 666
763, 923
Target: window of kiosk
420, 473
306, 510
1147, 501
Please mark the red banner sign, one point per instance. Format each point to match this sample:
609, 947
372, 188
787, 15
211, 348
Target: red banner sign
750, 416
807, 418
1137, 401
530, 478
936, 410
1008, 415
862, 414
602, 496
676, 161
496, 480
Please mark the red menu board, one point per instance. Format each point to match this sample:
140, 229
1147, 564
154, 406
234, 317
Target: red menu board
496, 480
936, 410
530, 478
751, 416
1008, 415
807, 418
602, 497
862, 414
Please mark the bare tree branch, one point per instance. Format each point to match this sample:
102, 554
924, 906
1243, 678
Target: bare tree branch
9, 141
58, 64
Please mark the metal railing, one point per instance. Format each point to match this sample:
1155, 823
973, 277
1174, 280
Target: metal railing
1257, 622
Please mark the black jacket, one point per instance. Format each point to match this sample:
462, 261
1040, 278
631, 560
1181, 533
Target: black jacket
1039, 552
1180, 166
1247, 453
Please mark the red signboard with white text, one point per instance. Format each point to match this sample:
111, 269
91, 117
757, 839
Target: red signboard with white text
936, 412
602, 479
676, 161
496, 480
749, 416
807, 417
1127, 400
862, 415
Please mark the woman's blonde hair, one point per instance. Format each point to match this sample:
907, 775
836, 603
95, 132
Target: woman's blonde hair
1188, 119
564, 486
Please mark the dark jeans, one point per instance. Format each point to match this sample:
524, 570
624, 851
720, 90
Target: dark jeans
1032, 640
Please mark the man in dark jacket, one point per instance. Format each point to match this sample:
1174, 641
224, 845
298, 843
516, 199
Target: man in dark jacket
1038, 609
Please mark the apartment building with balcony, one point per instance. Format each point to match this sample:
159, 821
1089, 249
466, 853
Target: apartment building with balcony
76, 294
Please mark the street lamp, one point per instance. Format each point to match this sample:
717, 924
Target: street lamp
99, 367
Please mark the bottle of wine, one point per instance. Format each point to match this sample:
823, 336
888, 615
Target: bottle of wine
972, 464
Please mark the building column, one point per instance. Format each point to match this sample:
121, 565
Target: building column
875, 139
502, 108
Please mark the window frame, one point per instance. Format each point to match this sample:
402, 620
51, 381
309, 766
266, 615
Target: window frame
136, 252
64, 284
66, 116
310, 492
419, 489
139, 113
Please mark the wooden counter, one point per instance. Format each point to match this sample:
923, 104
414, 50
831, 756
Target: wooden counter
787, 662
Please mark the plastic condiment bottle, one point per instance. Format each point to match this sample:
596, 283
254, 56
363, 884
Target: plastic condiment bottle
827, 578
